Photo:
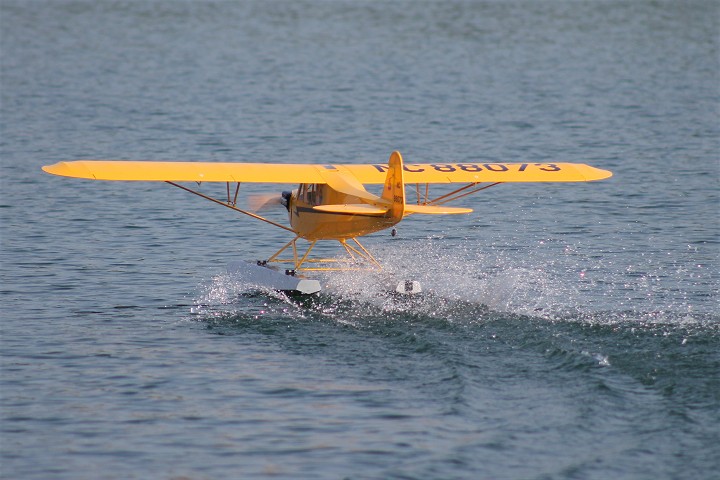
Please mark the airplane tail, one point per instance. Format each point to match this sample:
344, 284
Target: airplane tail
394, 189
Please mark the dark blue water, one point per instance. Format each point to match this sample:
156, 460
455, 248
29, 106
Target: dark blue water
572, 331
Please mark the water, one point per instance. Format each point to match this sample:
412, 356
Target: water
571, 331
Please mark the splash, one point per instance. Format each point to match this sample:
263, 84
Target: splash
461, 277
465, 282
225, 296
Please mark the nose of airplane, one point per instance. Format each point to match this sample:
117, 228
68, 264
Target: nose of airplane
286, 199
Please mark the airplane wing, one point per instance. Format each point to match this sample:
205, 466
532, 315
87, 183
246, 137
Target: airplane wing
482, 172
188, 171
318, 173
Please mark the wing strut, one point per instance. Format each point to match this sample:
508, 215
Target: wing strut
454, 195
422, 200
232, 202
231, 205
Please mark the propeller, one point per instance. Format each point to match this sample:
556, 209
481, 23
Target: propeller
265, 201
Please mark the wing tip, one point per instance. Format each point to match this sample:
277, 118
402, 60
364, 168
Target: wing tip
72, 169
599, 174
60, 168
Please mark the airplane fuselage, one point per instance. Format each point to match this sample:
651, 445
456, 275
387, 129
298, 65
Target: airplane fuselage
312, 224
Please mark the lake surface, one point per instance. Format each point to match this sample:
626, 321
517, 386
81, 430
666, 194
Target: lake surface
572, 331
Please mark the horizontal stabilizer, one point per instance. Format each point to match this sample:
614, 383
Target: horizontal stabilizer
362, 209
353, 209
435, 209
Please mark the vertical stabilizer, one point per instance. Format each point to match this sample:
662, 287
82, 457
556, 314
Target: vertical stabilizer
394, 190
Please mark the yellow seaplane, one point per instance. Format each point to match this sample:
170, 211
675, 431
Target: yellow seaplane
331, 202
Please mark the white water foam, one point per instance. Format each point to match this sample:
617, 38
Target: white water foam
550, 281
457, 276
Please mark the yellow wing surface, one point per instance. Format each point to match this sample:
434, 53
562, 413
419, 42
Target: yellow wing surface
318, 173
187, 171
